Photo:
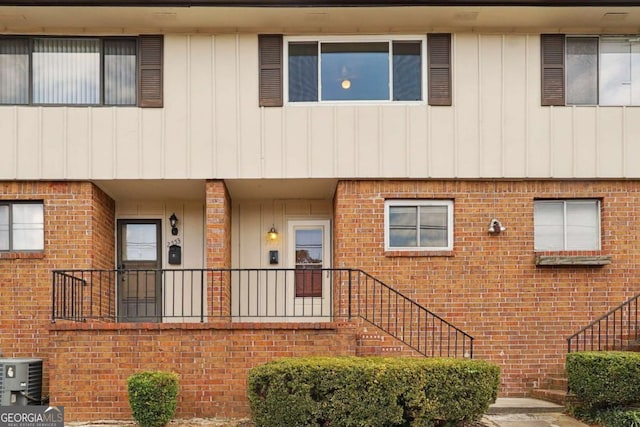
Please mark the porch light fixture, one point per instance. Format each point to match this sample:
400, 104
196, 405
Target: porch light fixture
495, 227
272, 234
173, 220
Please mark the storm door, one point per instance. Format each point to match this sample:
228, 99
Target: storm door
309, 249
139, 271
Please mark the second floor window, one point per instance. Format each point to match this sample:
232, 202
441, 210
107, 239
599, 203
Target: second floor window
79, 71
590, 70
355, 70
603, 71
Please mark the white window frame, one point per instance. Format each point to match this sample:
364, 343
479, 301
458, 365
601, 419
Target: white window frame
599, 67
11, 226
356, 39
565, 247
417, 203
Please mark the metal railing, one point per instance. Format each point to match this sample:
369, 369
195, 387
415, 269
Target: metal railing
253, 295
616, 330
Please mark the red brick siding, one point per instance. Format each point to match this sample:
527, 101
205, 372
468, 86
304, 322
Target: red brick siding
92, 362
77, 217
519, 313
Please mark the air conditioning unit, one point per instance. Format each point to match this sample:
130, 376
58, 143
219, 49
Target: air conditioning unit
20, 382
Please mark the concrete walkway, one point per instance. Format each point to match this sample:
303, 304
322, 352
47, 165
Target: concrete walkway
516, 412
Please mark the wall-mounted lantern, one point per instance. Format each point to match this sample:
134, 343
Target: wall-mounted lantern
495, 227
173, 221
272, 234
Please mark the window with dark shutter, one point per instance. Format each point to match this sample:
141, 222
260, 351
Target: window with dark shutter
270, 69
439, 66
552, 62
150, 56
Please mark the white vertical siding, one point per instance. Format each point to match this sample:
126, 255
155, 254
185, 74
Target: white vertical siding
211, 126
252, 219
514, 110
466, 66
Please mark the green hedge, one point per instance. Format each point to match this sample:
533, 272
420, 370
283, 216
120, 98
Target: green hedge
153, 397
604, 379
370, 392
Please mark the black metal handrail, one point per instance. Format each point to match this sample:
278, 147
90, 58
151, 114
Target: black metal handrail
279, 295
616, 330
408, 321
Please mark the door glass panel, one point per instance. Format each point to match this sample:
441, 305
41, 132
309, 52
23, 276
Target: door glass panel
308, 249
140, 243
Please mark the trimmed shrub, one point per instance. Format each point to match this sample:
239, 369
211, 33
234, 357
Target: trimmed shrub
604, 379
370, 392
153, 397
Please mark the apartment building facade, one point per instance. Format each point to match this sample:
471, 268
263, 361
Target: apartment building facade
204, 186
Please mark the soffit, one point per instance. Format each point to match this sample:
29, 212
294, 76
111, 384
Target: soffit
123, 190
315, 20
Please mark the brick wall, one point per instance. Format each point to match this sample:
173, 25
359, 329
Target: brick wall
489, 286
90, 363
78, 234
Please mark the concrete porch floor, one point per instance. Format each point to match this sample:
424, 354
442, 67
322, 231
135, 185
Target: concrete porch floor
527, 412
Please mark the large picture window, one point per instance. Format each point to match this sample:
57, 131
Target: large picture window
419, 225
21, 226
355, 70
562, 225
81, 71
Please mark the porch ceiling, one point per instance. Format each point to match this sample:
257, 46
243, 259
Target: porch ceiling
239, 189
152, 189
244, 189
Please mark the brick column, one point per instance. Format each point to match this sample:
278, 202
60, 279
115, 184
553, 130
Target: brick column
218, 235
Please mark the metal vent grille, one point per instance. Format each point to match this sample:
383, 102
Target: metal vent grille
34, 386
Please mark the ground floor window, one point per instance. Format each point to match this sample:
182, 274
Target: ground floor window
419, 225
562, 225
21, 226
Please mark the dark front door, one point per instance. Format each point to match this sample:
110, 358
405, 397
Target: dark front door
140, 274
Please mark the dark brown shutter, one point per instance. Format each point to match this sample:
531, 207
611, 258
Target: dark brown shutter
150, 55
270, 64
552, 59
439, 66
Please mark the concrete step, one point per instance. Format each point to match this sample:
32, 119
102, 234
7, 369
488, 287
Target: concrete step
522, 405
374, 344
556, 382
550, 395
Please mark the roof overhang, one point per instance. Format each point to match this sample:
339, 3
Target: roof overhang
323, 3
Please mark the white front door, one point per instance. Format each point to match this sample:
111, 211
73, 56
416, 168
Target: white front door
308, 252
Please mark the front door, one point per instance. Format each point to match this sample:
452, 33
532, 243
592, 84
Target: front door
140, 274
309, 253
